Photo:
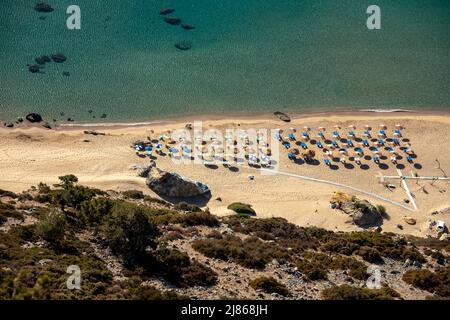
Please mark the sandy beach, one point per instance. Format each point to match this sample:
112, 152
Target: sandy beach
30, 155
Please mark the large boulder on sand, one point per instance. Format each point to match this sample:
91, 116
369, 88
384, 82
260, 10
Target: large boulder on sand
173, 185
362, 212
282, 116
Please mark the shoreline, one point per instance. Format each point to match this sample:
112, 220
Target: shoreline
255, 116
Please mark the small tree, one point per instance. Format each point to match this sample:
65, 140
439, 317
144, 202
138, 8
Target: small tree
68, 181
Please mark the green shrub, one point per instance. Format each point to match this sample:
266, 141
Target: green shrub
242, 208
52, 228
183, 206
196, 219
269, 285
92, 212
128, 231
133, 194
179, 270
437, 282
369, 254
346, 292
5, 193
250, 252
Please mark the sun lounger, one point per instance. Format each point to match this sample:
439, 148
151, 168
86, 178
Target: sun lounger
367, 134
397, 133
350, 143
409, 159
334, 143
291, 156
376, 160
365, 143
336, 134
319, 145
303, 145
327, 162
291, 136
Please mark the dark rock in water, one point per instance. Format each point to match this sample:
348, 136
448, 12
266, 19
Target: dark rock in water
90, 111
42, 59
47, 125
42, 18
34, 68
187, 26
54, 120
61, 114
70, 120
183, 45
66, 73
34, 117
165, 11
172, 20
20, 119
43, 7
282, 116
59, 57
103, 116
9, 125
173, 185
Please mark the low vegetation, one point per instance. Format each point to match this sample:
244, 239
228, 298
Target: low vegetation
346, 292
68, 224
242, 208
437, 282
269, 285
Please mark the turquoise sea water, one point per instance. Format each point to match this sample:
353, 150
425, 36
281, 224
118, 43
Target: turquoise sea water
246, 56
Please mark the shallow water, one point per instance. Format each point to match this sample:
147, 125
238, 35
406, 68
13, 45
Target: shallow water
246, 56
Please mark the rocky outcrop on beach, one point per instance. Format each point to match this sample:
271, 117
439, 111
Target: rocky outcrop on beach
362, 212
171, 184
8, 124
282, 116
34, 117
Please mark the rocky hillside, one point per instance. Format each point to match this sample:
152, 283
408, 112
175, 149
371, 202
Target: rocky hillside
131, 246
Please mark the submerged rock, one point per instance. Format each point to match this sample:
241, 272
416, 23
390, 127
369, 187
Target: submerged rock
165, 11
43, 7
34, 117
59, 58
66, 73
183, 45
42, 59
47, 125
173, 185
34, 68
282, 116
187, 26
172, 20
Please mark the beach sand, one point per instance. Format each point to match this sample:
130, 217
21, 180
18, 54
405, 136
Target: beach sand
29, 155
